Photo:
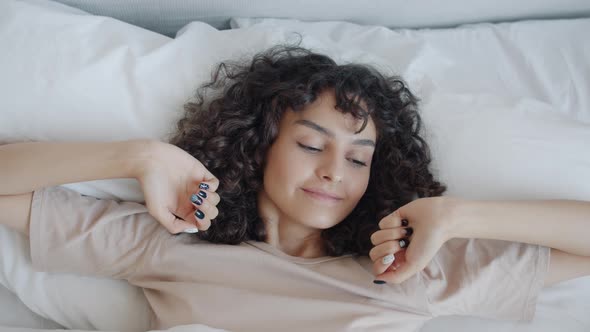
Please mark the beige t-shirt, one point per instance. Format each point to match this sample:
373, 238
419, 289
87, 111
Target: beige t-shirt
255, 287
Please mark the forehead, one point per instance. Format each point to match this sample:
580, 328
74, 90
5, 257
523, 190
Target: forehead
323, 112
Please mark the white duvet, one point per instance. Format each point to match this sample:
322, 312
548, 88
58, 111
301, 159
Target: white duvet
506, 107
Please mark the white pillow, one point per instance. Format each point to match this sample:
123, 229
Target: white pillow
540, 60
71, 76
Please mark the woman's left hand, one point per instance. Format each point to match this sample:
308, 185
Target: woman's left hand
429, 223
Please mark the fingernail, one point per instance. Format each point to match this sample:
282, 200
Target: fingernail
404, 222
404, 243
203, 194
199, 214
379, 282
196, 199
203, 186
191, 230
386, 260
409, 231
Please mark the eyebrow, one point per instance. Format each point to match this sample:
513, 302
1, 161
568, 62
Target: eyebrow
327, 132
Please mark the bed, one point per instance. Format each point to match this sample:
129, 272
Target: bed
504, 89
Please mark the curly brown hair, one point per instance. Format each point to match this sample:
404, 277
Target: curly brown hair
232, 133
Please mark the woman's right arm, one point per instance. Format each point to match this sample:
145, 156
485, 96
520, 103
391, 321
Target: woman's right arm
168, 175
26, 167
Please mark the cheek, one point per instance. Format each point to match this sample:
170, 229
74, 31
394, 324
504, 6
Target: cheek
359, 185
283, 168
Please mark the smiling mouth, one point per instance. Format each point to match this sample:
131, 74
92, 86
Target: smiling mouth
322, 197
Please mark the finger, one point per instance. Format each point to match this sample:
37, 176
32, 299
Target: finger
204, 205
213, 198
204, 209
389, 234
402, 273
209, 185
400, 258
388, 247
383, 263
203, 222
381, 266
393, 220
210, 180
199, 214
204, 214
205, 194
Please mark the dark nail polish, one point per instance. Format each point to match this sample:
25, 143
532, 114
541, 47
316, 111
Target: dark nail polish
379, 282
199, 214
404, 243
194, 198
203, 186
409, 231
199, 201
404, 222
203, 194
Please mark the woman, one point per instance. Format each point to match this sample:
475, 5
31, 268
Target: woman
305, 192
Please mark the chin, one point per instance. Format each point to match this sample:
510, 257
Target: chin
322, 224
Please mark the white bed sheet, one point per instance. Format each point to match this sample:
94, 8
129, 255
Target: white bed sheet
14, 313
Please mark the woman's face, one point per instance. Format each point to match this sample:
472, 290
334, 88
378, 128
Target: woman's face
318, 168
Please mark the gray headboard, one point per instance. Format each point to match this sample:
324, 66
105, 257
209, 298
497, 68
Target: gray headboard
168, 16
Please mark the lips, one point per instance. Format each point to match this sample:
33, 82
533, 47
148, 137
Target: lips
322, 194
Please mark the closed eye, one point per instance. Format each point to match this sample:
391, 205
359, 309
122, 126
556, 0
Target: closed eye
358, 162
308, 148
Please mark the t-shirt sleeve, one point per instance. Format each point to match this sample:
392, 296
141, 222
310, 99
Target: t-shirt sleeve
486, 278
72, 233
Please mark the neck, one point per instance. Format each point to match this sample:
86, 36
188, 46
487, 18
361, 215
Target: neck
289, 236
304, 244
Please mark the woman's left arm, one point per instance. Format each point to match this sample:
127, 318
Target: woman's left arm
558, 224
563, 225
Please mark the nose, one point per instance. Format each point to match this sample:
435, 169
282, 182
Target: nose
332, 169
335, 178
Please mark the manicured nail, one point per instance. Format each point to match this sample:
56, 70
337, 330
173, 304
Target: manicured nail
195, 198
199, 214
404, 243
203, 194
191, 230
199, 201
409, 231
404, 222
379, 282
203, 186
386, 260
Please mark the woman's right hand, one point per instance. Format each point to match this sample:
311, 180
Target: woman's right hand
170, 177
